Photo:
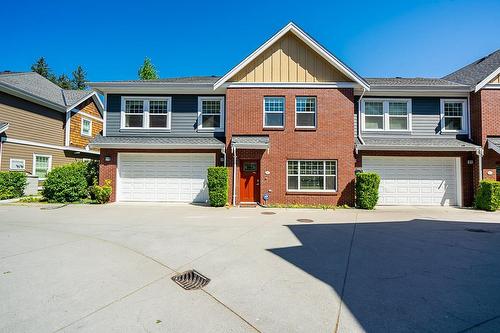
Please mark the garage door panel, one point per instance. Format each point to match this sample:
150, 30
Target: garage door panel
164, 177
415, 180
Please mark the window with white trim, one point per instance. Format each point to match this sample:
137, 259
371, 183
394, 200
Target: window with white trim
17, 164
146, 113
86, 127
386, 114
42, 164
211, 113
310, 176
305, 112
454, 115
274, 112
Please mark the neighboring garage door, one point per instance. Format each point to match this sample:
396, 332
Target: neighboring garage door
416, 180
163, 177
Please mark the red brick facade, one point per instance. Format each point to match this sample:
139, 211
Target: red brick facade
331, 140
485, 120
107, 169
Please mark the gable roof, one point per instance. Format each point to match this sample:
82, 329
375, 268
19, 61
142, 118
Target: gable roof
309, 41
478, 73
34, 87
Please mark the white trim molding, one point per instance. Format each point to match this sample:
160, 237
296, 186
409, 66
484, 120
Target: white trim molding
145, 113
90, 127
464, 118
315, 112
385, 114
292, 85
49, 168
17, 160
45, 145
87, 115
309, 41
324, 175
486, 80
157, 146
276, 112
222, 113
4, 128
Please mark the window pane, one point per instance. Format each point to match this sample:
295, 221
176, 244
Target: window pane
398, 108
293, 167
372, 122
274, 104
311, 168
86, 126
133, 120
305, 104
330, 183
210, 107
41, 166
293, 182
306, 119
374, 108
210, 121
453, 109
134, 106
453, 124
158, 106
158, 121
311, 183
331, 167
274, 119
398, 123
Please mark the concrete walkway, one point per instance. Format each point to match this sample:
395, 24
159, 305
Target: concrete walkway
108, 269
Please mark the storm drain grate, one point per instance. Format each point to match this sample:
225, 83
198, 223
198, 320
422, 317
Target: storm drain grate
268, 213
478, 230
191, 280
305, 220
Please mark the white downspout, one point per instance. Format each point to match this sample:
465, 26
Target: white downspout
359, 117
234, 176
223, 152
1, 151
480, 153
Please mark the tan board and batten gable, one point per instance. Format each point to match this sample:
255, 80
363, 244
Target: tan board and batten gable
289, 60
496, 80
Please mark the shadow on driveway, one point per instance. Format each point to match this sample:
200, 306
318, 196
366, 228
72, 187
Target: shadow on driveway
418, 275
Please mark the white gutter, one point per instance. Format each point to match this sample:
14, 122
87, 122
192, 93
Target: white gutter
480, 153
359, 117
1, 151
416, 148
156, 146
234, 175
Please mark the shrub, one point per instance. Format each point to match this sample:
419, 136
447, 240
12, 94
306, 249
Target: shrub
217, 186
92, 172
101, 194
488, 195
367, 184
12, 184
66, 183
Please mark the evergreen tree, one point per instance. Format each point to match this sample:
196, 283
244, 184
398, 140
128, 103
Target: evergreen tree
41, 67
64, 82
147, 71
78, 80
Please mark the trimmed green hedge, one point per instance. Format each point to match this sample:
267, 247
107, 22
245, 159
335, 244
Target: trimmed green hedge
488, 195
217, 186
12, 184
367, 184
67, 183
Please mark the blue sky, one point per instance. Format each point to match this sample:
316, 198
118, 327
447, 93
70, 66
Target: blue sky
376, 38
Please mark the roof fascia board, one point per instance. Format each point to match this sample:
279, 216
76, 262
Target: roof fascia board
45, 145
493, 146
161, 89
30, 97
156, 146
4, 128
290, 27
96, 99
486, 80
414, 93
290, 85
414, 148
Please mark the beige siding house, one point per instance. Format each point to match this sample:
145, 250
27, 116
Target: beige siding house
45, 126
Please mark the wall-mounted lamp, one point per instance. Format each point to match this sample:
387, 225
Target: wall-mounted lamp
470, 162
107, 158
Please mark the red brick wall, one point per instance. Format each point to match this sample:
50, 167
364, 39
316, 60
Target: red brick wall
467, 170
107, 170
485, 118
333, 139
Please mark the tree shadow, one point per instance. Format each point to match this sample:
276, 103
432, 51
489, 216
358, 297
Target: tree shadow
418, 275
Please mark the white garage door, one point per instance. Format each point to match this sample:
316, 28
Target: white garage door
163, 177
416, 180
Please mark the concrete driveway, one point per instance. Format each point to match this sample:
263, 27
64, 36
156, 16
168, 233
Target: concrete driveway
109, 268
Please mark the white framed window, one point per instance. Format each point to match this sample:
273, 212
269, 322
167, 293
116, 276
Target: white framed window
17, 164
454, 115
146, 113
211, 113
305, 112
380, 114
42, 164
311, 176
274, 112
86, 126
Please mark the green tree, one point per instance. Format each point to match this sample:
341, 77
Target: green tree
41, 67
147, 71
78, 80
64, 82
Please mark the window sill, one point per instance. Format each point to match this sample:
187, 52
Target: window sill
325, 193
305, 129
159, 130
273, 128
210, 130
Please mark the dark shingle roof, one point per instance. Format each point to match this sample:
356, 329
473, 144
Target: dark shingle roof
251, 140
159, 141
36, 85
186, 79
411, 82
477, 71
415, 143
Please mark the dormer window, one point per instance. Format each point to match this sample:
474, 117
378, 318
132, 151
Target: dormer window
146, 113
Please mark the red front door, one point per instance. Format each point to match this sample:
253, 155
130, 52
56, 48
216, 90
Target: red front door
249, 181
